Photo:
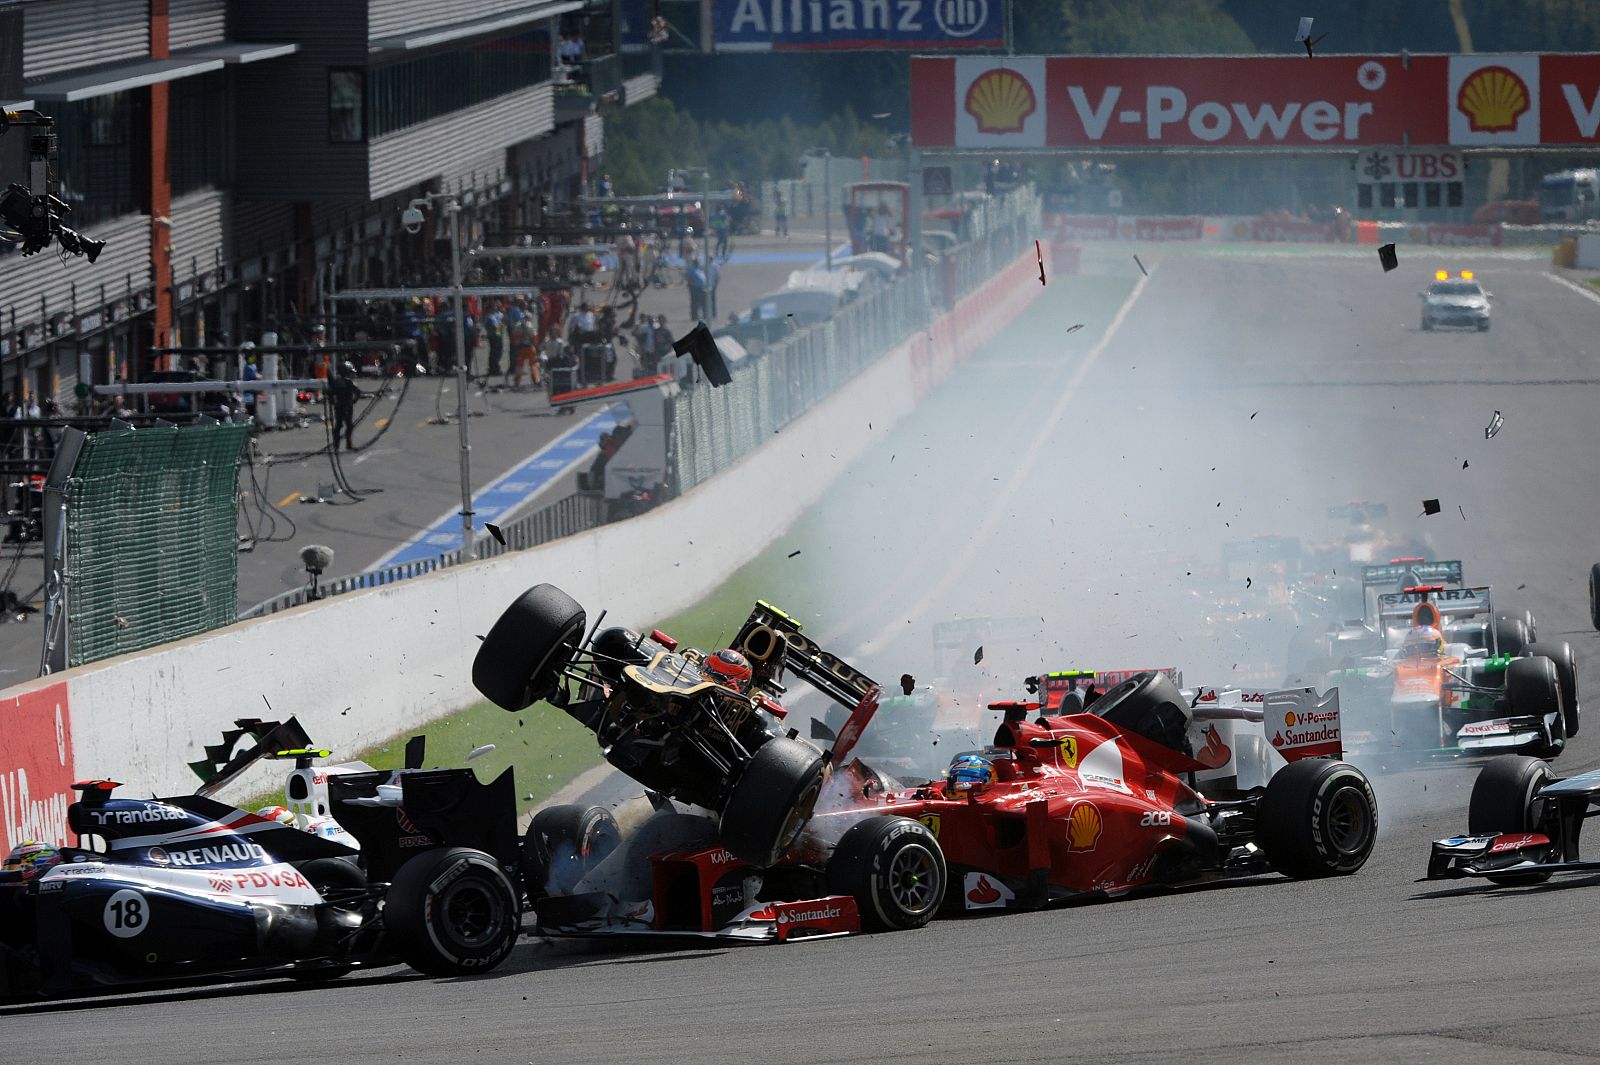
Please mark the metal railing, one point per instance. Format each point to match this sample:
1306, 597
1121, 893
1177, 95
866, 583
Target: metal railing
568, 516
710, 429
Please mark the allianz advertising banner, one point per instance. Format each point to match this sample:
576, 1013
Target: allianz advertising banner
842, 25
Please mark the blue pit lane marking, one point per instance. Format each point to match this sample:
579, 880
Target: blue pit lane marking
512, 488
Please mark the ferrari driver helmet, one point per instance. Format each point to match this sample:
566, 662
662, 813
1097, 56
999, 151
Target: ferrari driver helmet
728, 668
969, 774
31, 859
1422, 641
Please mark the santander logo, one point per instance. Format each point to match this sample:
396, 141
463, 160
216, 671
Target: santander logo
984, 893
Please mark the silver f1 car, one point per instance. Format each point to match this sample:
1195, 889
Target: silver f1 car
1523, 825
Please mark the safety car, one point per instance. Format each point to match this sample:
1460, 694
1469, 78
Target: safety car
1458, 301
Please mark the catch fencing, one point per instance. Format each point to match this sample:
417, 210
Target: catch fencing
709, 429
150, 553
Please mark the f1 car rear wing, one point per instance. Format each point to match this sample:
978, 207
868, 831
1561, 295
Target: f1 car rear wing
1298, 722
1453, 603
773, 643
1407, 572
1052, 688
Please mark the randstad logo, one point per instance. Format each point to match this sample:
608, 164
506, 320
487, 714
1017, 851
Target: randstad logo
1493, 99
1000, 101
960, 18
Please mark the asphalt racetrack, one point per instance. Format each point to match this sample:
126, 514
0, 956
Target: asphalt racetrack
1071, 479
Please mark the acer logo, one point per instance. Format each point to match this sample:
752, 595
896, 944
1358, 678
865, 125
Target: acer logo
1156, 819
1210, 120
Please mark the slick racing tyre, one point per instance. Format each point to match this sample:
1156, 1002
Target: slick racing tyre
451, 912
771, 801
1533, 689
341, 884
1149, 704
562, 844
521, 660
1566, 664
1502, 801
1594, 595
1317, 818
1526, 617
893, 868
1510, 636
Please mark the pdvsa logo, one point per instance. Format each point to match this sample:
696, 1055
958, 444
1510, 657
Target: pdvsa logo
960, 18
1000, 101
1493, 98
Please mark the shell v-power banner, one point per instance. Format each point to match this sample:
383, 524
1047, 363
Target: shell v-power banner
1242, 102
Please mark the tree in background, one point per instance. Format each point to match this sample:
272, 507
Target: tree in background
1123, 27
644, 142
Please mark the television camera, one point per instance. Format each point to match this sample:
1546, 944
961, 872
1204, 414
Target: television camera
33, 218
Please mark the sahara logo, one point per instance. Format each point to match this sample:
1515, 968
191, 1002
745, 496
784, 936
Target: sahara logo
1493, 99
1000, 101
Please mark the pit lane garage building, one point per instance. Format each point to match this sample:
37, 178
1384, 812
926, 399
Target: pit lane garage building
239, 158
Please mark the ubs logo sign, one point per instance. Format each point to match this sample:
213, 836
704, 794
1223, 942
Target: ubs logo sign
960, 18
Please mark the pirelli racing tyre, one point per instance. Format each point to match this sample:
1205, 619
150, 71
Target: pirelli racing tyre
1317, 818
1151, 705
1533, 689
1566, 664
521, 659
1594, 595
771, 801
1526, 617
451, 912
562, 844
1510, 636
1502, 801
893, 868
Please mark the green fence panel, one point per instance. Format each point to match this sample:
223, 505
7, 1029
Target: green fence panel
151, 546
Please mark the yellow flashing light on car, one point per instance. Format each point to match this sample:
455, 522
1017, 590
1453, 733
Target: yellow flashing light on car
1466, 275
1441, 275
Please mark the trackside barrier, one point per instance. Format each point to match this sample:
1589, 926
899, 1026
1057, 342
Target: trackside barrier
710, 429
399, 655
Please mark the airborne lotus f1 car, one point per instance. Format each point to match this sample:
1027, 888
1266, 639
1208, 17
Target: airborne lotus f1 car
662, 722
1523, 825
172, 890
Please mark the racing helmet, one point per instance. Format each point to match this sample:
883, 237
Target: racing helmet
281, 814
728, 668
31, 858
1423, 641
969, 774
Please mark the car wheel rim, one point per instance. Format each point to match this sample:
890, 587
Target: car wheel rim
1349, 821
799, 814
914, 880
471, 914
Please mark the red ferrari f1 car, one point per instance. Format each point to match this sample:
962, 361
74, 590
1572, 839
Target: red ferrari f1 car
1105, 801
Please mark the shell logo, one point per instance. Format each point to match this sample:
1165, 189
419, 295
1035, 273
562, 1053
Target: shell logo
1083, 826
1289, 718
1493, 99
1000, 101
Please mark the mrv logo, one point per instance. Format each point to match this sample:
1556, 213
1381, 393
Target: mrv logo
928, 20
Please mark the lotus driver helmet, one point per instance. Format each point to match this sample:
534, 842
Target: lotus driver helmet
1423, 641
969, 774
728, 668
31, 859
